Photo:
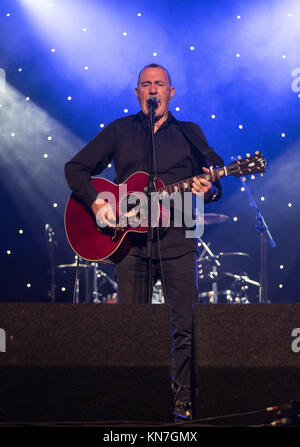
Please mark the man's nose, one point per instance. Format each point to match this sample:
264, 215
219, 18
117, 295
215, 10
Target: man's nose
153, 89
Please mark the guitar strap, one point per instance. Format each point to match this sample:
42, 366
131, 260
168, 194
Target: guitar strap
198, 141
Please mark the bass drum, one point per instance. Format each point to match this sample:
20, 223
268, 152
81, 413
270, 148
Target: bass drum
223, 297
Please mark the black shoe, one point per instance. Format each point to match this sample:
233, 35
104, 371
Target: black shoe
183, 411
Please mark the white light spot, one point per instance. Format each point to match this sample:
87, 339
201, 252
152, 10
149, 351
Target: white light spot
124, 33
125, 110
86, 67
101, 125
177, 109
28, 285
192, 48
237, 55
281, 267
154, 54
27, 98
8, 14
8, 252
45, 155
53, 50
289, 204
20, 69
213, 116
242, 189
238, 17
240, 126
49, 138
280, 286
109, 165
63, 289
262, 198
139, 14
283, 135
54, 205
235, 219
69, 98
84, 29
12, 134
21, 231
283, 56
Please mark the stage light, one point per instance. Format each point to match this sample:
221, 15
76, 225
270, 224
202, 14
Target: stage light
281, 267
283, 135
86, 67
192, 48
21, 231
54, 205
177, 109
154, 54
69, 98
8, 252
101, 125
262, 199
139, 14
28, 285
49, 138
45, 155
124, 33
235, 219
125, 110
240, 126
213, 116
289, 204
53, 50
109, 165
238, 55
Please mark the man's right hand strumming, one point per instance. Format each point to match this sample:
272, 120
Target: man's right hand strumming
104, 213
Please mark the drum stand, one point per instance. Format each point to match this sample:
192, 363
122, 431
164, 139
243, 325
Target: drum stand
214, 273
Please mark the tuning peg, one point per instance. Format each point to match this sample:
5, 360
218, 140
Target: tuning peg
261, 174
248, 155
239, 157
257, 152
244, 179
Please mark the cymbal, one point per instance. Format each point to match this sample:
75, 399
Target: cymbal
234, 253
211, 218
74, 265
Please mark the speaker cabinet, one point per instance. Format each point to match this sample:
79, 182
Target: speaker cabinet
245, 357
85, 362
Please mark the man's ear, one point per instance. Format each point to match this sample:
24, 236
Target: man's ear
172, 91
137, 92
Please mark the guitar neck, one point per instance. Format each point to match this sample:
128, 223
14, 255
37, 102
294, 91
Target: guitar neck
186, 185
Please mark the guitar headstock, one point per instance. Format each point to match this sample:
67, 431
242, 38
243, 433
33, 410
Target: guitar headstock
249, 165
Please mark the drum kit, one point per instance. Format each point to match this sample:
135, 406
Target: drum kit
101, 288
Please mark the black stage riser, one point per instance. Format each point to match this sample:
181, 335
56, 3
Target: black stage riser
85, 362
243, 358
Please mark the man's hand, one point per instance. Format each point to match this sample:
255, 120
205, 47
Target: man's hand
104, 213
201, 185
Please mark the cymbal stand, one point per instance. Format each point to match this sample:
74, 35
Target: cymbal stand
52, 243
264, 233
214, 274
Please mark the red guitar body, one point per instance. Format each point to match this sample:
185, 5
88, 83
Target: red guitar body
104, 245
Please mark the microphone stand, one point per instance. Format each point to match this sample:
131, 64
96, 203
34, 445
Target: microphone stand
150, 189
264, 233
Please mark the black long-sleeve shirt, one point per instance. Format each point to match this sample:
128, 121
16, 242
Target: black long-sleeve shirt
126, 142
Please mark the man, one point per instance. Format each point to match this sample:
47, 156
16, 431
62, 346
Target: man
181, 152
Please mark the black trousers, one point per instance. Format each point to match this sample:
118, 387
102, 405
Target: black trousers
181, 293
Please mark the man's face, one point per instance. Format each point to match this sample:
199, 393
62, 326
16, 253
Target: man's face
154, 82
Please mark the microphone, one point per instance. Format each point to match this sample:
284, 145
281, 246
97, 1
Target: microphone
152, 101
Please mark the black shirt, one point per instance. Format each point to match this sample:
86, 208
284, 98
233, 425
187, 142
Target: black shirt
126, 142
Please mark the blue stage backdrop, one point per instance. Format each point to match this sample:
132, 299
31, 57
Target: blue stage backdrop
68, 68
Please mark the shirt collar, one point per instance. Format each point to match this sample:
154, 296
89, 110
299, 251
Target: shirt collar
144, 120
